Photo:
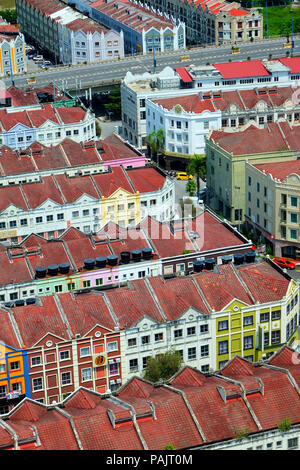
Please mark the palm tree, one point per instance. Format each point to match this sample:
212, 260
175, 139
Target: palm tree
197, 167
156, 142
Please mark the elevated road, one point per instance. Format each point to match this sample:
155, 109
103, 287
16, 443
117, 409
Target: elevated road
111, 71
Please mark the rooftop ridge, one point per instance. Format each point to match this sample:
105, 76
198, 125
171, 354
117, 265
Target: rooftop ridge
65, 155
59, 189
154, 297
72, 424
63, 316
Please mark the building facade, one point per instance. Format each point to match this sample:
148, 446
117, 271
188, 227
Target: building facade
214, 22
45, 124
71, 37
144, 29
12, 54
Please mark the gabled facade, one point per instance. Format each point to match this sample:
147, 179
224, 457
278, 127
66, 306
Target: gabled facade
12, 54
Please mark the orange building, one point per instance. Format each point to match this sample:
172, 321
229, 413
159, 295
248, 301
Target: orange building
14, 382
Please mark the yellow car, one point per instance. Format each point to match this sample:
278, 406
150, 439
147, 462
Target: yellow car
184, 176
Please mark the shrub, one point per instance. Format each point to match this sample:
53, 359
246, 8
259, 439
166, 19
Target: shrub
285, 424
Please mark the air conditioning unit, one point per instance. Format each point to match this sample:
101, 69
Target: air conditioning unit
99, 360
118, 381
112, 382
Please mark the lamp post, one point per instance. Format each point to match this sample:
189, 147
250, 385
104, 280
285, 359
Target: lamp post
266, 25
292, 38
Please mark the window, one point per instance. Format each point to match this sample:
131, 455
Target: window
75, 214
294, 201
15, 365
86, 351
133, 365
248, 342
49, 218
191, 353
248, 320
2, 225
39, 220
36, 361
63, 355
13, 223
178, 334
23, 222
269, 445
264, 317
112, 346
114, 369
249, 180
2, 391
60, 216
223, 347
292, 443
266, 335
191, 331
276, 315
145, 339
37, 384
86, 374
145, 359
158, 336
223, 325
71, 285
85, 212
86, 284
2, 368
131, 342
204, 350
58, 288
66, 378
293, 234
275, 337
204, 328
99, 281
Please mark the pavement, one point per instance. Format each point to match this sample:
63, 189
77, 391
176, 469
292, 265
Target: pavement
106, 71
108, 127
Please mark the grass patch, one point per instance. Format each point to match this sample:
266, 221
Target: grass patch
280, 21
7, 4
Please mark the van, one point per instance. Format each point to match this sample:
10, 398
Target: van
184, 176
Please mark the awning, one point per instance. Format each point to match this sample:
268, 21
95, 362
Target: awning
184, 74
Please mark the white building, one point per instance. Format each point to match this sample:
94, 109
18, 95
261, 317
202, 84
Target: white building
184, 81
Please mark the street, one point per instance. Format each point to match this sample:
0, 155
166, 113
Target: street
96, 73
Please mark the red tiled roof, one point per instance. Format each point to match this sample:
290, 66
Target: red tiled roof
221, 289
84, 311
8, 335
115, 148
184, 74
280, 170
40, 116
37, 193
34, 321
83, 249
177, 295
70, 115
73, 188
292, 62
251, 140
77, 155
246, 68
146, 180
52, 253
12, 195
237, 12
21, 98
132, 303
8, 120
265, 283
12, 163
191, 103
109, 183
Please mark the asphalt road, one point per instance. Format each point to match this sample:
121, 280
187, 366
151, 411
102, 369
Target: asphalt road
100, 72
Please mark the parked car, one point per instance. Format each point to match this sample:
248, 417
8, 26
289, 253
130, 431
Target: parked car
202, 193
184, 176
285, 263
47, 62
38, 58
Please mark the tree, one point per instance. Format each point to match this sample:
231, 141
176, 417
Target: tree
191, 187
10, 15
114, 101
197, 167
156, 141
163, 366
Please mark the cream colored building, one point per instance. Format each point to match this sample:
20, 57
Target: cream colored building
273, 204
12, 54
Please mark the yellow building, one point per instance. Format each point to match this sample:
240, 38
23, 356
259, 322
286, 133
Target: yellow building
122, 207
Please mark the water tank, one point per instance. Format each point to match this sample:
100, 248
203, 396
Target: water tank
250, 256
209, 263
19, 303
64, 268
30, 301
226, 259
125, 257
238, 258
112, 260
40, 272
147, 253
136, 255
100, 262
198, 266
53, 269
89, 263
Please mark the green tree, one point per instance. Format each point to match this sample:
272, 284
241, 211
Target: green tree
114, 101
156, 142
197, 167
10, 15
191, 187
163, 366
98, 129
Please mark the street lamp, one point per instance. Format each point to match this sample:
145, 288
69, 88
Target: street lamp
292, 38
